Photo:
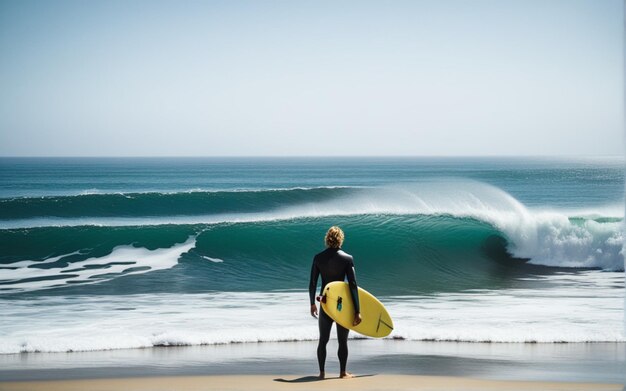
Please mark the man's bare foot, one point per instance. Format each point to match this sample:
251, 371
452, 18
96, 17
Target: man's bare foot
322, 376
346, 375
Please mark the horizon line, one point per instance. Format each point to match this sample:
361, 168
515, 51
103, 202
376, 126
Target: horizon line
310, 156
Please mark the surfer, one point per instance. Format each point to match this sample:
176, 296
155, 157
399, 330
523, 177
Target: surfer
334, 265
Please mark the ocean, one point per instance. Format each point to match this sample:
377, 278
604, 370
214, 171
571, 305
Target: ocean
114, 253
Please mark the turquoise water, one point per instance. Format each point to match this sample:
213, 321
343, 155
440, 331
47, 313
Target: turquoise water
448, 223
84, 229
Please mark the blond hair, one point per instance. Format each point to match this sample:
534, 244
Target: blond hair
334, 237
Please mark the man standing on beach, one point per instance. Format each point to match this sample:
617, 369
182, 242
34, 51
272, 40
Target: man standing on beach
334, 265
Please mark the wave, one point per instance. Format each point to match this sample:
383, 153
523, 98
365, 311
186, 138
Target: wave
450, 196
395, 254
189, 203
584, 238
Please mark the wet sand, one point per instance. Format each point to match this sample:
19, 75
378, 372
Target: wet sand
380, 364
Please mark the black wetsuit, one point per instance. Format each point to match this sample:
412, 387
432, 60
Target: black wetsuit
334, 265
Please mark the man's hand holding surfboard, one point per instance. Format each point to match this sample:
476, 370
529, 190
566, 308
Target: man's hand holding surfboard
357, 319
357, 316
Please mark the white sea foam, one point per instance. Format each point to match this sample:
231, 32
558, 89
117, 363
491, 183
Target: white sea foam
581, 307
216, 260
123, 260
584, 307
27, 263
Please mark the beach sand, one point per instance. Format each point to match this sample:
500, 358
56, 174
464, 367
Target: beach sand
300, 383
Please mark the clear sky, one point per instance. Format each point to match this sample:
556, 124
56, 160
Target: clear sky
213, 78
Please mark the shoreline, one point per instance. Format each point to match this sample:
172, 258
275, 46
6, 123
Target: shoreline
592, 363
286, 382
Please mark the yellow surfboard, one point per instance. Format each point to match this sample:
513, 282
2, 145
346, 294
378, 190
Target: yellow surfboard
337, 303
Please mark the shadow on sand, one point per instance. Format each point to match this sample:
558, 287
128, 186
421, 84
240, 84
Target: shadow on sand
307, 379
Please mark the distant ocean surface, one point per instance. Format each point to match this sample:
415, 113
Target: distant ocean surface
109, 253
